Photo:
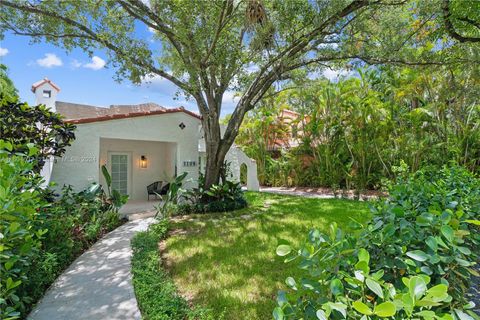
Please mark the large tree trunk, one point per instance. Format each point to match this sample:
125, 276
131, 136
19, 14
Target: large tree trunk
216, 150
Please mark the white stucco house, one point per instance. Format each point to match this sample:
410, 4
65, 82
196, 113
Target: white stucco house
139, 144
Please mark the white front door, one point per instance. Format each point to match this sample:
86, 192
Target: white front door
120, 164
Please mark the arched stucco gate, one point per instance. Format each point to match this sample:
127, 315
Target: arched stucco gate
237, 158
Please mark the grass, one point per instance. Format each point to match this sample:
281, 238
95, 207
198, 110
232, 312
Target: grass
155, 291
228, 263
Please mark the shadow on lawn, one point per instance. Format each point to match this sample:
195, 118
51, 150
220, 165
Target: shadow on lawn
230, 264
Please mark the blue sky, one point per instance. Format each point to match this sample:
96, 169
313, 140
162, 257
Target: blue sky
87, 81
81, 79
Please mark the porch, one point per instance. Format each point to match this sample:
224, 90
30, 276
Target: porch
135, 164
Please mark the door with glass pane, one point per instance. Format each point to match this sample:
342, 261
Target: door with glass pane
120, 171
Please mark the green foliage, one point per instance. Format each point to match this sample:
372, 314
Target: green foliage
231, 255
210, 48
415, 258
156, 293
424, 226
74, 222
170, 200
7, 89
223, 197
21, 124
350, 133
40, 235
20, 236
115, 199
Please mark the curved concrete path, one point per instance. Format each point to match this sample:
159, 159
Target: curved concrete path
98, 284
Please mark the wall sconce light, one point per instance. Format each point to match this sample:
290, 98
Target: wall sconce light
143, 162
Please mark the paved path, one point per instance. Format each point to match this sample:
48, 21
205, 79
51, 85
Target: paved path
98, 285
296, 192
321, 193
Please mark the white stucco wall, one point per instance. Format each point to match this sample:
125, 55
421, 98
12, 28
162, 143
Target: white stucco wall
80, 165
160, 162
47, 101
236, 157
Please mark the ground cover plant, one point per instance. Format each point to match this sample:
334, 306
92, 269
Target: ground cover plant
156, 293
227, 262
414, 260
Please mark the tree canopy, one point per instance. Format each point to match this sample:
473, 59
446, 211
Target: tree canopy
207, 48
7, 88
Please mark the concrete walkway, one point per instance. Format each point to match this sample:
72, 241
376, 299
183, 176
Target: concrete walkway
320, 193
98, 285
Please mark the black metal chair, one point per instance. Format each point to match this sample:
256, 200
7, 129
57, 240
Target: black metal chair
157, 188
154, 189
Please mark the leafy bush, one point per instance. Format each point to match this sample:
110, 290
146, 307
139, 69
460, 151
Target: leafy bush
40, 235
227, 196
170, 200
20, 239
412, 261
156, 293
74, 222
115, 199
426, 225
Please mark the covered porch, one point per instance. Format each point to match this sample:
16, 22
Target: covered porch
135, 164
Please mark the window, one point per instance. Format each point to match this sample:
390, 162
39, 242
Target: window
47, 93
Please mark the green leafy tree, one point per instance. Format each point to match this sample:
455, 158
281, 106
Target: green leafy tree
21, 124
210, 47
7, 89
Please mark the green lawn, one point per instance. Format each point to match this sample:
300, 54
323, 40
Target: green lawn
229, 264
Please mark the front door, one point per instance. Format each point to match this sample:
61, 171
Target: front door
120, 171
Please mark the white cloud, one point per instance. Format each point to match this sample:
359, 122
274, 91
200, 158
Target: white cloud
335, 74
96, 64
153, 80
230, 97
151, 30
50, 60
3, 51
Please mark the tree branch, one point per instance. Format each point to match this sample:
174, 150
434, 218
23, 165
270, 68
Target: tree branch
94, 37
449, 25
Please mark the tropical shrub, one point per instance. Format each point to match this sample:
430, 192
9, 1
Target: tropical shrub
115, 199
412, 261
170, 200
7, 88
75, 220
20, 235
349, 133
226, 196
41, 233
427, 224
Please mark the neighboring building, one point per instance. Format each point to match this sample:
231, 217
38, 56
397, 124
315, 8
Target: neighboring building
139, 144
287, 130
